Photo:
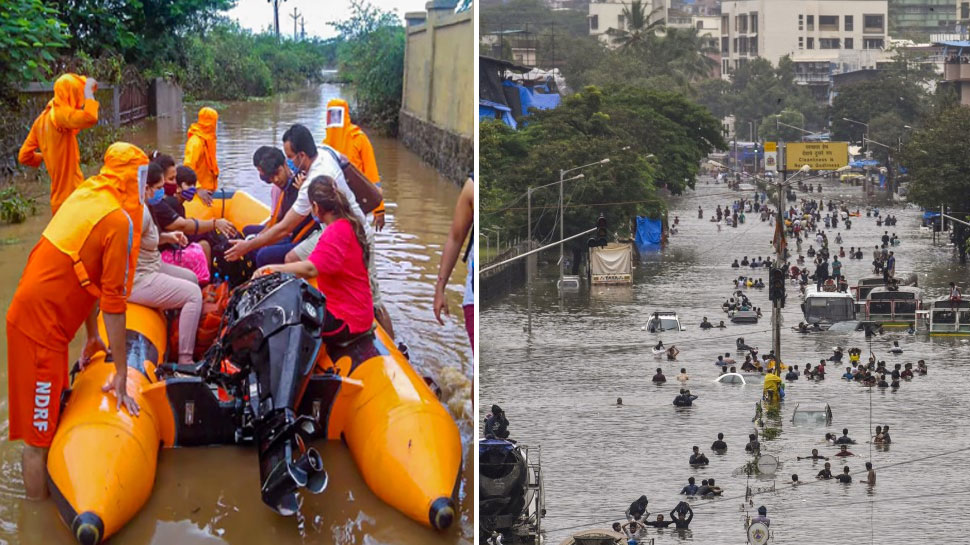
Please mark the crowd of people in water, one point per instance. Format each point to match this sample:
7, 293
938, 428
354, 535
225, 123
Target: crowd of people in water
810, 224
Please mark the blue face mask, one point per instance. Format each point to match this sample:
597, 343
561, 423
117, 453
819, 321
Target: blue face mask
188, 194
156, 196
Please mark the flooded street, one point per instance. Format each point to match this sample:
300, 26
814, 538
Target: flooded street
559, 385
211, 495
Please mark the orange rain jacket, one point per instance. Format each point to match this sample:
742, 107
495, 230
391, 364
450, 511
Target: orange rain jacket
53, 137
351, 141
200, 149
87, 252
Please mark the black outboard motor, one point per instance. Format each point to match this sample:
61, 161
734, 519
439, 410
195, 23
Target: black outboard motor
502, 483
272, 334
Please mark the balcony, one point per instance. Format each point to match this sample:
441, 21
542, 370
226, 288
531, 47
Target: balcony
953, 71
810, 79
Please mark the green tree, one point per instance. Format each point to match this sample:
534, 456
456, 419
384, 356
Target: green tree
890, 92
139, 30
772, 130
717, 95
623, 124
372, 57
640, 26
30, 34
684, 55
889, 130
938, 161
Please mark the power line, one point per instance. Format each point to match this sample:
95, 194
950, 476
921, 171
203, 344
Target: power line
709, 506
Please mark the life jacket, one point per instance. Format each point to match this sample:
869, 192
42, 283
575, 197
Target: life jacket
283, 203
215, 299
116, 186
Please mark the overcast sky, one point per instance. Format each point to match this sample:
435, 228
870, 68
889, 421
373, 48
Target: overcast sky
257, 15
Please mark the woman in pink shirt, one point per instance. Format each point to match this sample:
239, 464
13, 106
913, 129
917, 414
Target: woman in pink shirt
338, 262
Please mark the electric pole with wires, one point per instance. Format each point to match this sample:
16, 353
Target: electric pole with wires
295, 17
276, 16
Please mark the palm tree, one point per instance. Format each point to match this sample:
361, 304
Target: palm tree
639, 26
693, 62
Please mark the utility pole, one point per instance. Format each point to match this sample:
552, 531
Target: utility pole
295, 16
562, 220
302, 28
276, 16
528, 270
779, 258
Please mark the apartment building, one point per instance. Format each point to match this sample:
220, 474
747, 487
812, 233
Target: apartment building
849, 34
918, 19
608, 14
956, 67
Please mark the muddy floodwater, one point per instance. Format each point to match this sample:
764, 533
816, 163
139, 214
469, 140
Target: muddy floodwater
211, 495
559, 385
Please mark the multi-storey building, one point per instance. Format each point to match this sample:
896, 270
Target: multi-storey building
917, 19
822, 37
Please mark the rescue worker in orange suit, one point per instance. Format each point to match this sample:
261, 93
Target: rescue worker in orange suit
83, 262
350, 140
53, 137
200, 154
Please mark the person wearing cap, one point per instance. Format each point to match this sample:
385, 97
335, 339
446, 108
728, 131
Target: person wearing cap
52, 139
82, 264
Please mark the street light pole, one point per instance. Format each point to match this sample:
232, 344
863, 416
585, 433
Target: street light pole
865, 136
777, 122
562, 211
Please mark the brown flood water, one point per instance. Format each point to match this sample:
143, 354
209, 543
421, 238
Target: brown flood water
211, 495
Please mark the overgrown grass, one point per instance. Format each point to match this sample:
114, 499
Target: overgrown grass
15, 207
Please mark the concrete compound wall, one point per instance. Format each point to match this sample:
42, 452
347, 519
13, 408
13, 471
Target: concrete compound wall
437, 118
164, 99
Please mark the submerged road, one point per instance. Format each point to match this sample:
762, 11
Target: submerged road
558, 387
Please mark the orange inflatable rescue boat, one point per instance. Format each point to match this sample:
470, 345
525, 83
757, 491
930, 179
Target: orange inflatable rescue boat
268, 380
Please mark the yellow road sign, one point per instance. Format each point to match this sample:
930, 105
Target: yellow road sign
817, 155
771, 146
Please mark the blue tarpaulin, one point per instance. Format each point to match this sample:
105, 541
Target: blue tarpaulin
545, 101
528, 98
649, 233
493, 110
930, 215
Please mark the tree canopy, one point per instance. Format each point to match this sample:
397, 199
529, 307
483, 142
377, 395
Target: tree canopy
757, 91
30, 35
623, 124
937, 158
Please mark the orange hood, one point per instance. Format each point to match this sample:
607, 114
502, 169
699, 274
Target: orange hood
116, 186
205, 129
340, 130
68, 94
